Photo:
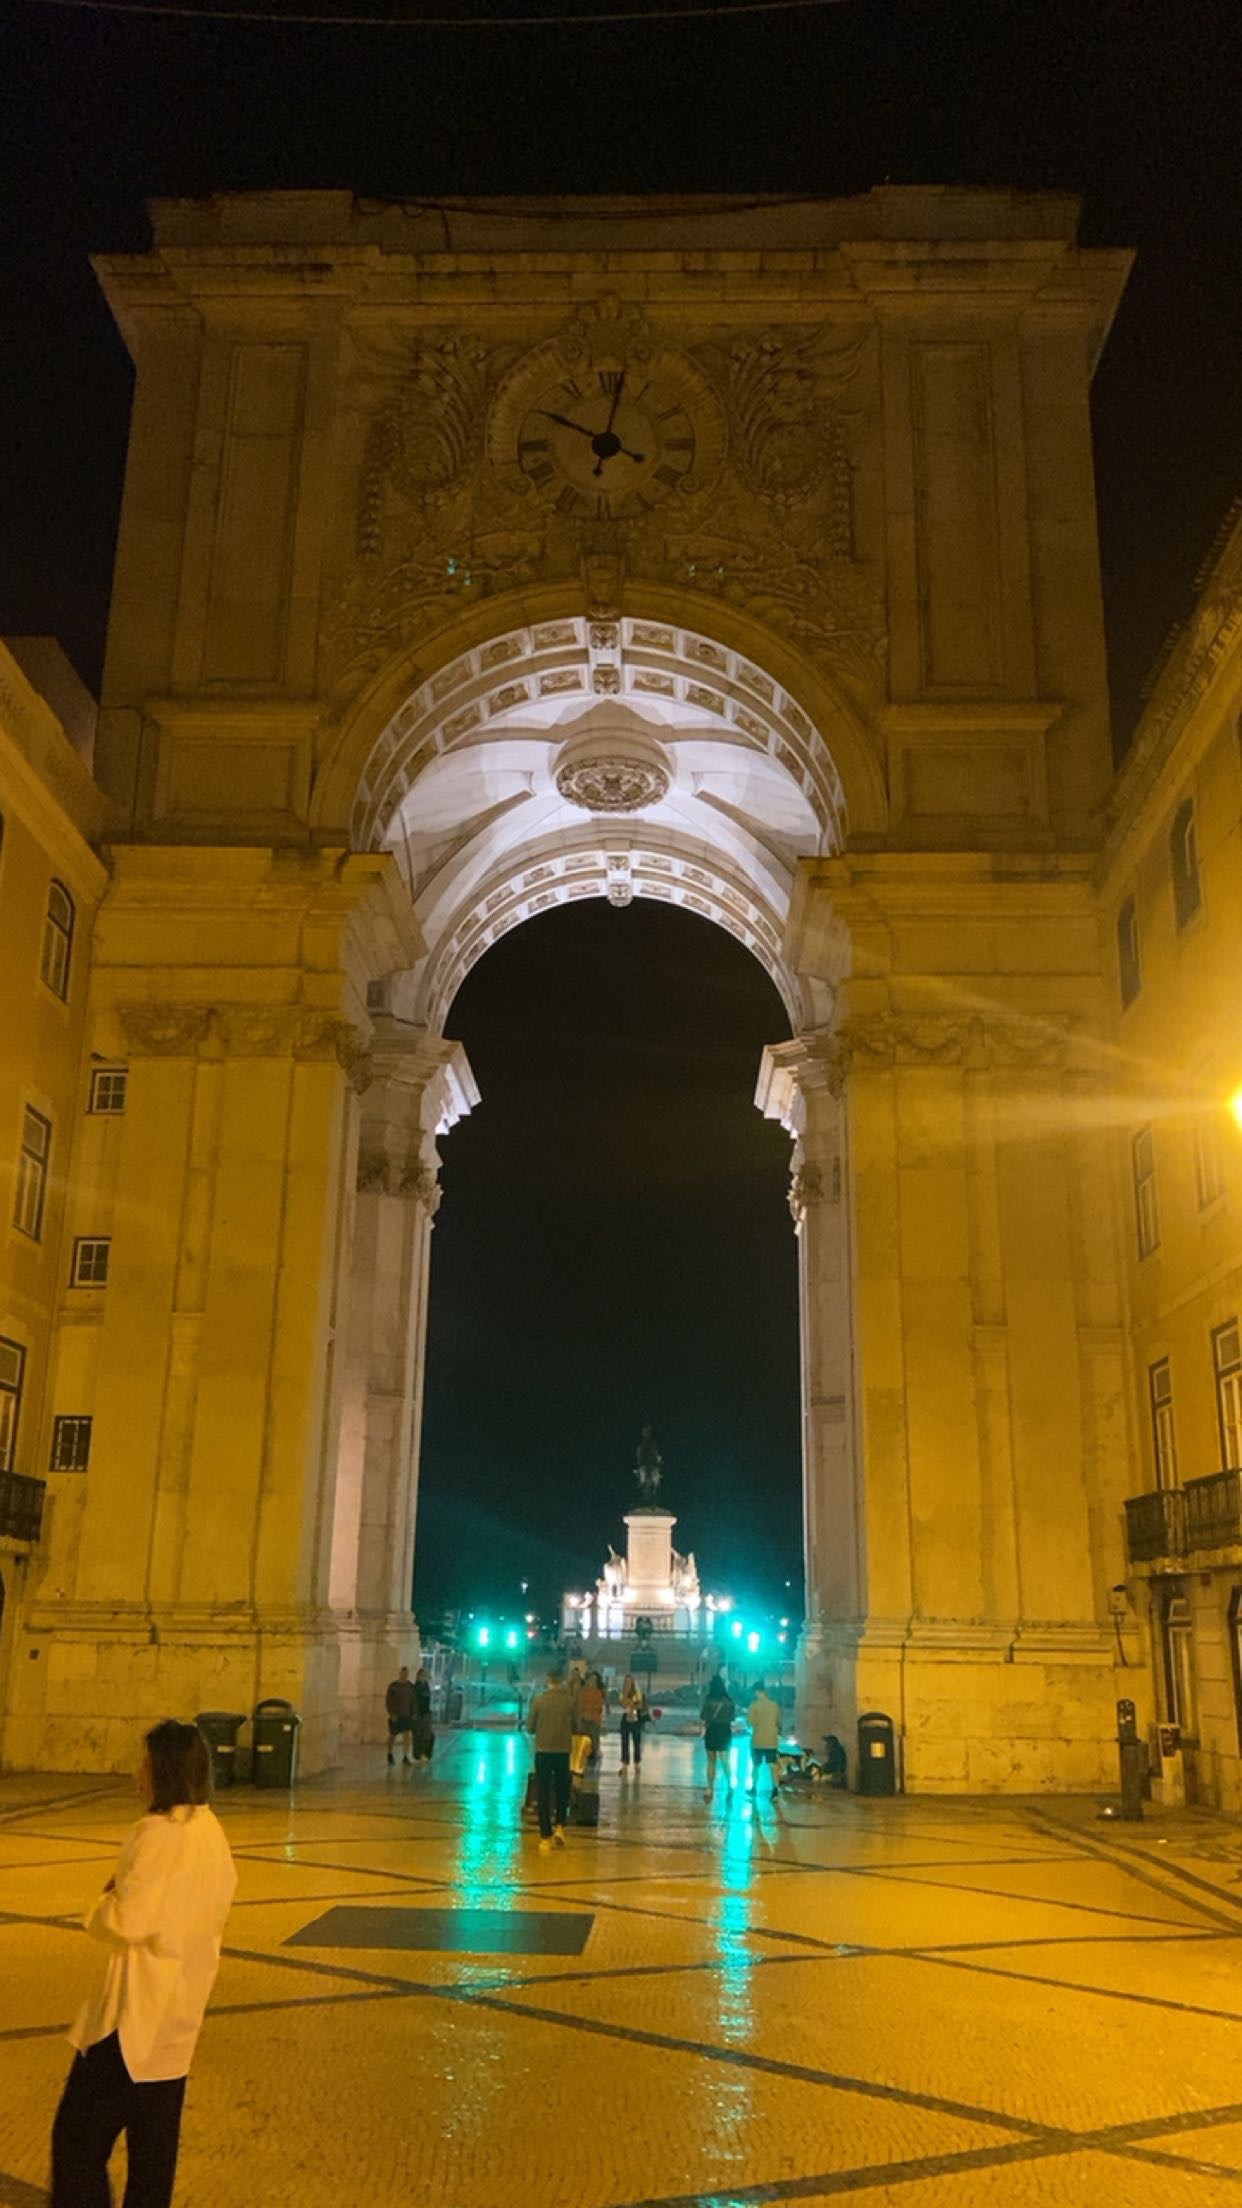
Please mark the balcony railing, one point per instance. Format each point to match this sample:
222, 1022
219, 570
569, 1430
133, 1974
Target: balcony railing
21, 1506
1214, 1510
1155, 1525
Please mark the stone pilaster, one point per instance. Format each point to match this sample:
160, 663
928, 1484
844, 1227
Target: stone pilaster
421, 1086
800, 1084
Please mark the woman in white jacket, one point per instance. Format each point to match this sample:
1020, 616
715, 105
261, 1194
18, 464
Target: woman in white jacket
161, 1915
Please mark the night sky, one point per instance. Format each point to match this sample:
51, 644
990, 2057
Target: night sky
614, 1244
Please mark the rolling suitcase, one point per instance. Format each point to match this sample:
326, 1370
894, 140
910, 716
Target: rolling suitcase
584, 1801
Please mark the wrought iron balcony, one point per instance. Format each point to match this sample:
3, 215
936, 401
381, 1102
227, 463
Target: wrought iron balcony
1214, 1510
21, 1506
1155, 1525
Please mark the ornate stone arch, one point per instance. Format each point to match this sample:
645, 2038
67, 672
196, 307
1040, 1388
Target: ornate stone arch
757, 672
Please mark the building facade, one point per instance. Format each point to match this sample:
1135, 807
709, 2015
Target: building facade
475, 561
1171, 879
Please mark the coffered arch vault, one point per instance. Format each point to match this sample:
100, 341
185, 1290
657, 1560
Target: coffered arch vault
483, 776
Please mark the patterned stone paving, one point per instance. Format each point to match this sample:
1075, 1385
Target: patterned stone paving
943, 2005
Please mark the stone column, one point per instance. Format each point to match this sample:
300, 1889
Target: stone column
800, 1084
421, 1086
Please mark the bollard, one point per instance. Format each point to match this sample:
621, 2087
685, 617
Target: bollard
1130, 1753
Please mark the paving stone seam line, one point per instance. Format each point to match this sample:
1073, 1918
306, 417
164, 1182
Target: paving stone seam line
1169, 1867
1105, 1852
1183, 2162
1103, 1993
16, 2193
1032, 1901
58, 1801
766, 2065
862, 2177
375, 1987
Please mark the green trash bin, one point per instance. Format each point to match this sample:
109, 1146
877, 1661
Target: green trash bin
275, 1726
220, 1729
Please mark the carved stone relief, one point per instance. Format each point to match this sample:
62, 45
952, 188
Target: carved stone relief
763, 517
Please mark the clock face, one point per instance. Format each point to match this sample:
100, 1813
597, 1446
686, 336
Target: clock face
612, 439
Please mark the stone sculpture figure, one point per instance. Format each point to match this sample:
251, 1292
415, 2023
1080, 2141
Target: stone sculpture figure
648, 1466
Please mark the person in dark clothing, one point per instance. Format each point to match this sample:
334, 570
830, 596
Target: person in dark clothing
422, 1737
717, 1714
633, 1719
401, 1703
551, 1720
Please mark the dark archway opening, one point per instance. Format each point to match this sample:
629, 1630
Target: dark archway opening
614, 1247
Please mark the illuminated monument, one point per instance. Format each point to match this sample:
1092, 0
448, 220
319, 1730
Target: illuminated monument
475, 559
651, 1581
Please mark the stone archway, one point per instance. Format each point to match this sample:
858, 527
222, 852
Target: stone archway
583, 756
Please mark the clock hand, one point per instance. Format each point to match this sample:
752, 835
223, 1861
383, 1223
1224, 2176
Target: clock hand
616, 401
564, 422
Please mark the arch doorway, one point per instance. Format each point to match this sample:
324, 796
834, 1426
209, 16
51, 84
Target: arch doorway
614, 1246
559, 764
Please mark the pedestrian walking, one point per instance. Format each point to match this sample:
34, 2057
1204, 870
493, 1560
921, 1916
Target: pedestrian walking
161, 1916
401, 1702
551, 1720
634, 1714
764, 1720
717, 1714
422, 1733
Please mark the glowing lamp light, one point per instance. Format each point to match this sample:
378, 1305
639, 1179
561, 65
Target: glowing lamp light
752, 1642
737, 1629
511, 1639
484, 1636
1235, 1105
782, 1637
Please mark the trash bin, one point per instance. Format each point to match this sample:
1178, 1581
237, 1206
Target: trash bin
275, 1732
220, 1729
877, 1754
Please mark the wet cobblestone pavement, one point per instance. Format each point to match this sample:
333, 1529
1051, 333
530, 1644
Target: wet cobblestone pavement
941, 2004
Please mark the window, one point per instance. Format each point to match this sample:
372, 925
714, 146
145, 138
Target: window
1184, 855
1209, 1156
1227, 1358
71, 1444
58, 939
32, 1164
1147, 1217
91, 1253
12, 1372
1129, 961
1163, 1435
108, 1088
1181, 1700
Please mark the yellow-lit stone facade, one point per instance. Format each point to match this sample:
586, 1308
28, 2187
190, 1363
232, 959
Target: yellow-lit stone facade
51, 881
1171, 914
476, 560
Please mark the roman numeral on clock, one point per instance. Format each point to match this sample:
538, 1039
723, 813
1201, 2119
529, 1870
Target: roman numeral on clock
610, 381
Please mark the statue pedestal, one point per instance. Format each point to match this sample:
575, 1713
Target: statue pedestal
649, 1557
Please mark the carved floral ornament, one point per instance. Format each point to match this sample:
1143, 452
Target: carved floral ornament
975, 1042
223, 1031
381, 1173
721, 462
